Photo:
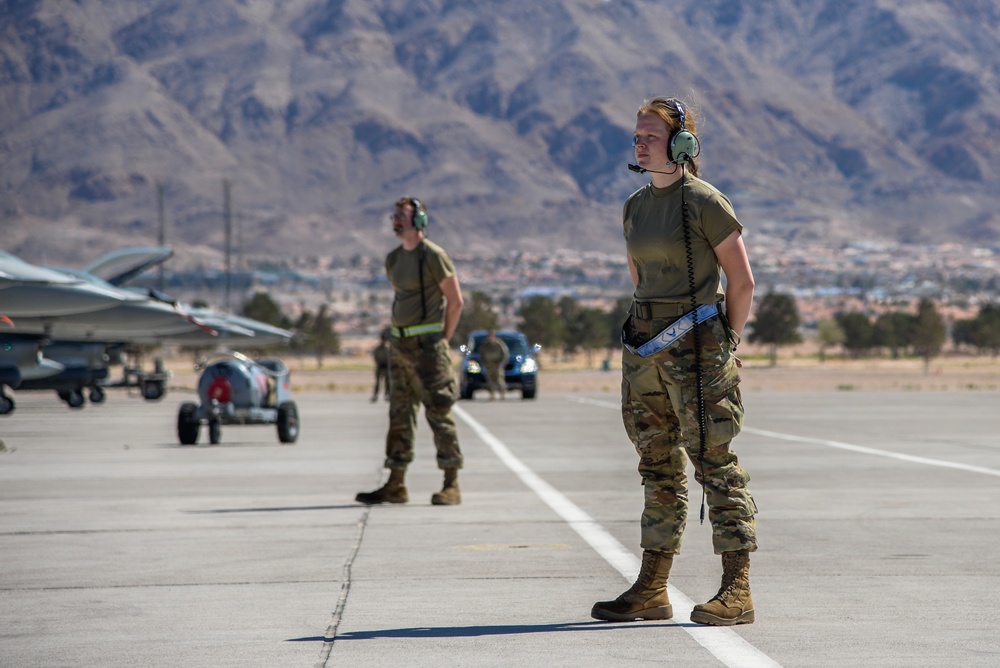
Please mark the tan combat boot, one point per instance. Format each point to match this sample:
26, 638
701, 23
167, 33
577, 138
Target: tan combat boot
393, 491
450, 494
647, 598
733, 604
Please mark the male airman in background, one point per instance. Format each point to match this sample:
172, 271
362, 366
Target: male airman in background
425, 312
380, 355
494, 353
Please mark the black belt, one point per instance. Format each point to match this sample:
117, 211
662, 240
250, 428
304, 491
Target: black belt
650, 310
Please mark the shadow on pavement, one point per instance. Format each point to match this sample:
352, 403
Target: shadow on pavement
473, 631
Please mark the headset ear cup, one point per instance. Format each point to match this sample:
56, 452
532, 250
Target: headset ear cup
419, 214
683, 147
419, 219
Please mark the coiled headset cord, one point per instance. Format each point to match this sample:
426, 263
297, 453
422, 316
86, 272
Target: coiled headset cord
693, 288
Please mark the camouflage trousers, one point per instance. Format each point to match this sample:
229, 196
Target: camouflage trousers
660, 412
381, 380
420, 371
495, 381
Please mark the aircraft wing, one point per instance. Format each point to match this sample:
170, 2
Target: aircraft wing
54, 302
124, 317
123, 265
240, 330
137, 322
27, 290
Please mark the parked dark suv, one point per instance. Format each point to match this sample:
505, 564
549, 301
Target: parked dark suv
521, 370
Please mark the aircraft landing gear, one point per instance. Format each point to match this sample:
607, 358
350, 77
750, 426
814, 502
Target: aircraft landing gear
7, 404
73, 398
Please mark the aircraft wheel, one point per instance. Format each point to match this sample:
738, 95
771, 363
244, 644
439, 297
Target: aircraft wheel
97, 395
73, 398
153, 390
288, 422
214, 432
188, 424
7, 404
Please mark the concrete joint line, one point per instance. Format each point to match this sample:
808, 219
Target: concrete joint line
330, 636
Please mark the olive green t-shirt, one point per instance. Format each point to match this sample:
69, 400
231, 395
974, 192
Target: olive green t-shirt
403, 270
654, 239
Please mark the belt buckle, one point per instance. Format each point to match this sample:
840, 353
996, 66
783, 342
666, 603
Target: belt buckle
644, 310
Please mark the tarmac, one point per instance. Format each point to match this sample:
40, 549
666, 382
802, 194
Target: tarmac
879, 527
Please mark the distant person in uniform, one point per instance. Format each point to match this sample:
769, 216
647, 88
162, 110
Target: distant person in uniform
494, 353
380, 355
680, 380
425, 312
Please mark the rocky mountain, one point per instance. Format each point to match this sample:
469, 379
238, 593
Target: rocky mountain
823, 120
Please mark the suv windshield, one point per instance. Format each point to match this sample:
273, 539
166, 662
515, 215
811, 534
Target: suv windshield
516, 344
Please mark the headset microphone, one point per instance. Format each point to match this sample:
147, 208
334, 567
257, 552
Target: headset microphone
643, 170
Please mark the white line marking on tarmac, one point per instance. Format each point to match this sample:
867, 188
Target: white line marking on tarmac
724, 643
873, 451
913, 459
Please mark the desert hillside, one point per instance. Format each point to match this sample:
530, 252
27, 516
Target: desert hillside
823, 120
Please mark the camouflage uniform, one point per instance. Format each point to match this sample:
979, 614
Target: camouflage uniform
494, 355
420, 367
660, 413
381, 356
659, 392
420, 371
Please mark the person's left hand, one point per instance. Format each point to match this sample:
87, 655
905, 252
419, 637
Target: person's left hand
739, 362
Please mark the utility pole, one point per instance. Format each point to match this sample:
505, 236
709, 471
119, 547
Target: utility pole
239, 242
162, 237
228, 214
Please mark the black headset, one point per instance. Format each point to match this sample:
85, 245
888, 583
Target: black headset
419, 214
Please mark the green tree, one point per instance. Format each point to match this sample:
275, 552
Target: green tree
776, 323
301, 342
986, 329
858, 332
323, 338
930, 332
477, 314
615, 321
895, 331
584, 328
829, 334
263, 308
595, 332
314, 334
540, 321
569, 312
963, 333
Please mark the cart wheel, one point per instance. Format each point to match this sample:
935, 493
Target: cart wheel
153, 390
188, 424
214, 432
96, 395
288, 422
